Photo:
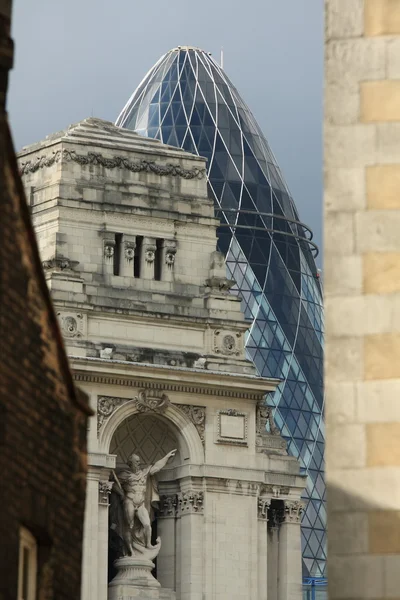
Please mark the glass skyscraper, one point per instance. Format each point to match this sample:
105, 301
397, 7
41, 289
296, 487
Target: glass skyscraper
187, 100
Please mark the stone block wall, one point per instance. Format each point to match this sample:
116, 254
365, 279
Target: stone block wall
42, 416
362, 285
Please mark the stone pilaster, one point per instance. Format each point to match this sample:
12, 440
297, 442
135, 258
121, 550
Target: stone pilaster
108, 255
289, 559
263, 505
166, 528
148, 257
190, 512
127, 255
168, 260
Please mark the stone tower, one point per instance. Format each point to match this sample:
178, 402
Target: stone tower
127, 237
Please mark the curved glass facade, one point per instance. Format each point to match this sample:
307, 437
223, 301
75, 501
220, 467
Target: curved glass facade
187, 100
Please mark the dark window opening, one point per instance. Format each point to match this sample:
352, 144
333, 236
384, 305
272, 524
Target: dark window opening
138, 256
158, 260
117, 253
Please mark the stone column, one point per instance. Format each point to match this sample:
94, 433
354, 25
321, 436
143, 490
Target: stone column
168, 260
127, 255
108, 252
289, 558
90, 587
166, 560
263, 506
273, 550
362, 288
148, 257
104, 491
190, 510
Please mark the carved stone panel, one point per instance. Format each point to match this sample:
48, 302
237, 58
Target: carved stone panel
72, 325
232, 427
227, 343
197, 414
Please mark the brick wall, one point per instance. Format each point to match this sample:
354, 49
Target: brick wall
362, 288
42, 417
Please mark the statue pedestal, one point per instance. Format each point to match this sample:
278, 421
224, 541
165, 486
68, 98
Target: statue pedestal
134, 581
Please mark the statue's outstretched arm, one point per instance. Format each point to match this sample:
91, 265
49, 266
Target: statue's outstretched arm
160, 464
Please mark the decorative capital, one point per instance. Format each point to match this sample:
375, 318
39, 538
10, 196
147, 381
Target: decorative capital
292, 511
105, 488
168, 506
190, 503
263, 506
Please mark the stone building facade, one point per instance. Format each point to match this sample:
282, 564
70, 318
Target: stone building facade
43, 416
127, 237
362, 286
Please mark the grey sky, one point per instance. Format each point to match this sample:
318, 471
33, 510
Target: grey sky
78, 58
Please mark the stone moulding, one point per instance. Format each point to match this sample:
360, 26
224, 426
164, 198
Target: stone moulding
224, 437
116, 162
148, 401
171, 387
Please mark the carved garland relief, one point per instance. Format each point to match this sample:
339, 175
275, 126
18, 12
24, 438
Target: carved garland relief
95, 158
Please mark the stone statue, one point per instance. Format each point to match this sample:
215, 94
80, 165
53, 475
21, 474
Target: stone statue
132, 503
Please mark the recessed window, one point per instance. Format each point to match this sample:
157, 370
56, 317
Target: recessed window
138, 256
117, 253
158, 260
27, 568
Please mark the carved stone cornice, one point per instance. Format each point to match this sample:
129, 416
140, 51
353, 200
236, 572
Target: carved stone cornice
197, 414
116, 162
168, 506
167, 386
263, 505
292, 511
190, 503
105, 488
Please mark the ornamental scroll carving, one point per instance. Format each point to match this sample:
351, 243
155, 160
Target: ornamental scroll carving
263, 505
197, 414
145, 401
105, 488
150, 401
116, 162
